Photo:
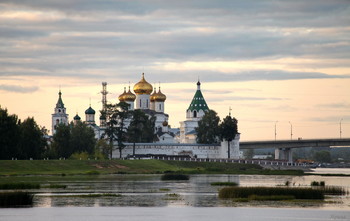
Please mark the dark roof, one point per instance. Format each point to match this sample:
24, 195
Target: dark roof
59, 102
90, 111
76, 117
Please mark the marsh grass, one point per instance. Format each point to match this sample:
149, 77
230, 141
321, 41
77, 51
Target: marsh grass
19, 186
16, 199
54, 186
224, 184
170, 176
246, 192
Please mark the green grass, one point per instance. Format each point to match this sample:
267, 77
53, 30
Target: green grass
81, 167
224, 184
246, 192
15, 199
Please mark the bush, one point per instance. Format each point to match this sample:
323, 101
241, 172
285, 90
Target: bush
246, 192
16, 199
169, 176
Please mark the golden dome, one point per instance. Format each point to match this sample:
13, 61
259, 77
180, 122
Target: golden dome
152, 98
129, 96
159, 96
143, 87
165, 123
121, 97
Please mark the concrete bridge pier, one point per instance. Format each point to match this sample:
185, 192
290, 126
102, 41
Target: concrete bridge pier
283, 154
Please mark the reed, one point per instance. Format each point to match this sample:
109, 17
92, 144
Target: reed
170, 176
246, 192
224, 184
15, 199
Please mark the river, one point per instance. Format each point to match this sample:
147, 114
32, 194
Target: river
146, 197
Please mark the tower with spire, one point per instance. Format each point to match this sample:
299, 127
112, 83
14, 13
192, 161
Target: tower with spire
194, 113
60, 115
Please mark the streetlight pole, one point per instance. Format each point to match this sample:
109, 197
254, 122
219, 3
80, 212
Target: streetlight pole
340, 127
275, 129
291, 131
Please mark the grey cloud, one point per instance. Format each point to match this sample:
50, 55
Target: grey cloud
18, 89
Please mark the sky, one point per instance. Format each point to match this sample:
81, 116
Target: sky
276, 63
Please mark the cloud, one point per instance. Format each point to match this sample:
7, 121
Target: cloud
117, 40
18, 89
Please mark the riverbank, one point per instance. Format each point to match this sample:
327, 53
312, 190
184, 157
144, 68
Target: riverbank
75, 167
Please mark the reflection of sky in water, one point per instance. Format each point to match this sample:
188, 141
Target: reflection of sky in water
150, 191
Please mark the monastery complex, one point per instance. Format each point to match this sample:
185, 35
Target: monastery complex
171, 142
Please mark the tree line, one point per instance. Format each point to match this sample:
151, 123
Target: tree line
20, 139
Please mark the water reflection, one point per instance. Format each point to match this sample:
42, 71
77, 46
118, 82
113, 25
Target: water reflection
150, 191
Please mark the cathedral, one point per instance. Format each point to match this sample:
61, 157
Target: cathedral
152, 103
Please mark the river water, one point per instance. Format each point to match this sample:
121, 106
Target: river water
146, 197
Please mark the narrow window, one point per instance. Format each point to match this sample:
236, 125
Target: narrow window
140, 102
160, 106
194, 113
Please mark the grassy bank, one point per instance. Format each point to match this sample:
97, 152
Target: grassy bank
92, 167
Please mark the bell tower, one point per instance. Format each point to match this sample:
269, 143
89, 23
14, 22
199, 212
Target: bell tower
60, 115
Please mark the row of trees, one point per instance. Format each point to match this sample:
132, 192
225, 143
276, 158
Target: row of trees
210, 130
20, 140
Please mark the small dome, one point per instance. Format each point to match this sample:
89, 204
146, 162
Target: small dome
121, 97
143, 87
160, 97
76, 117
165, 123
129, 96
90, 111
152, 98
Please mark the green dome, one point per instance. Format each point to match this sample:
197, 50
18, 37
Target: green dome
90, 111
76, 117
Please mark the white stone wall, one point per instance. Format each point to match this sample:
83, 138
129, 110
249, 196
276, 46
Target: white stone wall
194, 150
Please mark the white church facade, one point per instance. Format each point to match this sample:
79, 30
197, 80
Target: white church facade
153, 104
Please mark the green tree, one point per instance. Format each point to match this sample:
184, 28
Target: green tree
82, 138
141, 128
9, 135
103, 147
32, 143
115, 125
248, 154
322, 156
228, 131
61, 141
208, 128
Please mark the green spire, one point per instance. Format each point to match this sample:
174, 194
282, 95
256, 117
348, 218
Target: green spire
198, 101
59, 102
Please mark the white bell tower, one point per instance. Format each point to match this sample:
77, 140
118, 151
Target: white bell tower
60, 115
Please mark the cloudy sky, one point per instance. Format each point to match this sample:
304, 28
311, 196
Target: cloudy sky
277, 60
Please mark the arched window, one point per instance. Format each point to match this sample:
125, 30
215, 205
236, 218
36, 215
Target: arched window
140, 102
147, 103
194, 113
160, 106
57, 121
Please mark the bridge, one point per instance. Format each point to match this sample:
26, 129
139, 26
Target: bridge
283, 148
